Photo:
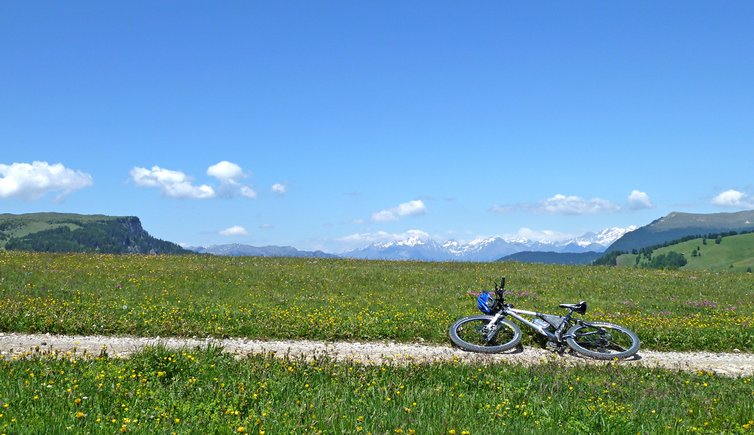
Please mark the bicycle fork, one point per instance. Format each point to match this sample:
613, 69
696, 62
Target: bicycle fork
491, 328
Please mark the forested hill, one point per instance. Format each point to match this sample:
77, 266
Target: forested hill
57, 232
677, 225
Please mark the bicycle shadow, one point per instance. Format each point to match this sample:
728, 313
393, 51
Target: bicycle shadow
516, 350
576, 355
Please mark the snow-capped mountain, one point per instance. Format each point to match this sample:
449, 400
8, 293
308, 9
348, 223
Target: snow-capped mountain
410, 249
596, 242
605, 237
422, 247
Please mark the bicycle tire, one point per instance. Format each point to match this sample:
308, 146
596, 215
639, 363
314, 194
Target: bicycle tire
602, 340
466, 333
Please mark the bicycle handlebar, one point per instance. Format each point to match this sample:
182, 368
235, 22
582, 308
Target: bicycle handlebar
500, 290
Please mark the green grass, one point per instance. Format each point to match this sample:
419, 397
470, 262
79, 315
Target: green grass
207, 391
736, 251
733, 254
274, 298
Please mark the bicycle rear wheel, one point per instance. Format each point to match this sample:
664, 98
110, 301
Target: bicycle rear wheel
602, 340
469, 334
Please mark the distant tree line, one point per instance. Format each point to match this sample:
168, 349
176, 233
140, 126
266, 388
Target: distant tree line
609, 259
671, 260
7, 226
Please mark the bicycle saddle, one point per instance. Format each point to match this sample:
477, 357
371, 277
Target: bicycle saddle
579, 308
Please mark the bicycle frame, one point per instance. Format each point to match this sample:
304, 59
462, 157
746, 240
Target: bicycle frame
508, 310
556, 336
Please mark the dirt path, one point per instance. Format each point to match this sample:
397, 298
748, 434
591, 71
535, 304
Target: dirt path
727, 364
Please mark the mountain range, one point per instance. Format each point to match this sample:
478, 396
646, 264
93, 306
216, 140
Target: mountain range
56, 232
421, 247
674, 226
240, 250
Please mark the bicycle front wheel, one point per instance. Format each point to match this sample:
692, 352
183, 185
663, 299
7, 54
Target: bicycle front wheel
470, 333
602, 340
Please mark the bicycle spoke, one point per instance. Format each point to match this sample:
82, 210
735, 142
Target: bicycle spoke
472, 333
603, 340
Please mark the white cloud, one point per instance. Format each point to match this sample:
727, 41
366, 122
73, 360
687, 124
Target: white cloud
279, 188
230, 175
366, 237
501, 208
384, 216
235, 230
575, 205
173, 184
248, 192
176, 184
541, 235
733, 198
31, 181
638, 200
226, 172
411, 208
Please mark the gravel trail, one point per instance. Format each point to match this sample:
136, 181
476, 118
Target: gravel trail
16, 344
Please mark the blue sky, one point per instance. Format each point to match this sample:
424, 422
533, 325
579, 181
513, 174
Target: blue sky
328, 125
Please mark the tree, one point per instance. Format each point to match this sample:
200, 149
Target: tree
609, 259
671, 260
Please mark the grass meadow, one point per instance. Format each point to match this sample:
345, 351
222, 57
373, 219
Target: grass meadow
279, 298
207, 391
732, 254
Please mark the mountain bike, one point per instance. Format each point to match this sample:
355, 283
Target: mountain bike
494, 332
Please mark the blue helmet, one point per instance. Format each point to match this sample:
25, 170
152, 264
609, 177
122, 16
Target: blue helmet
485, 302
